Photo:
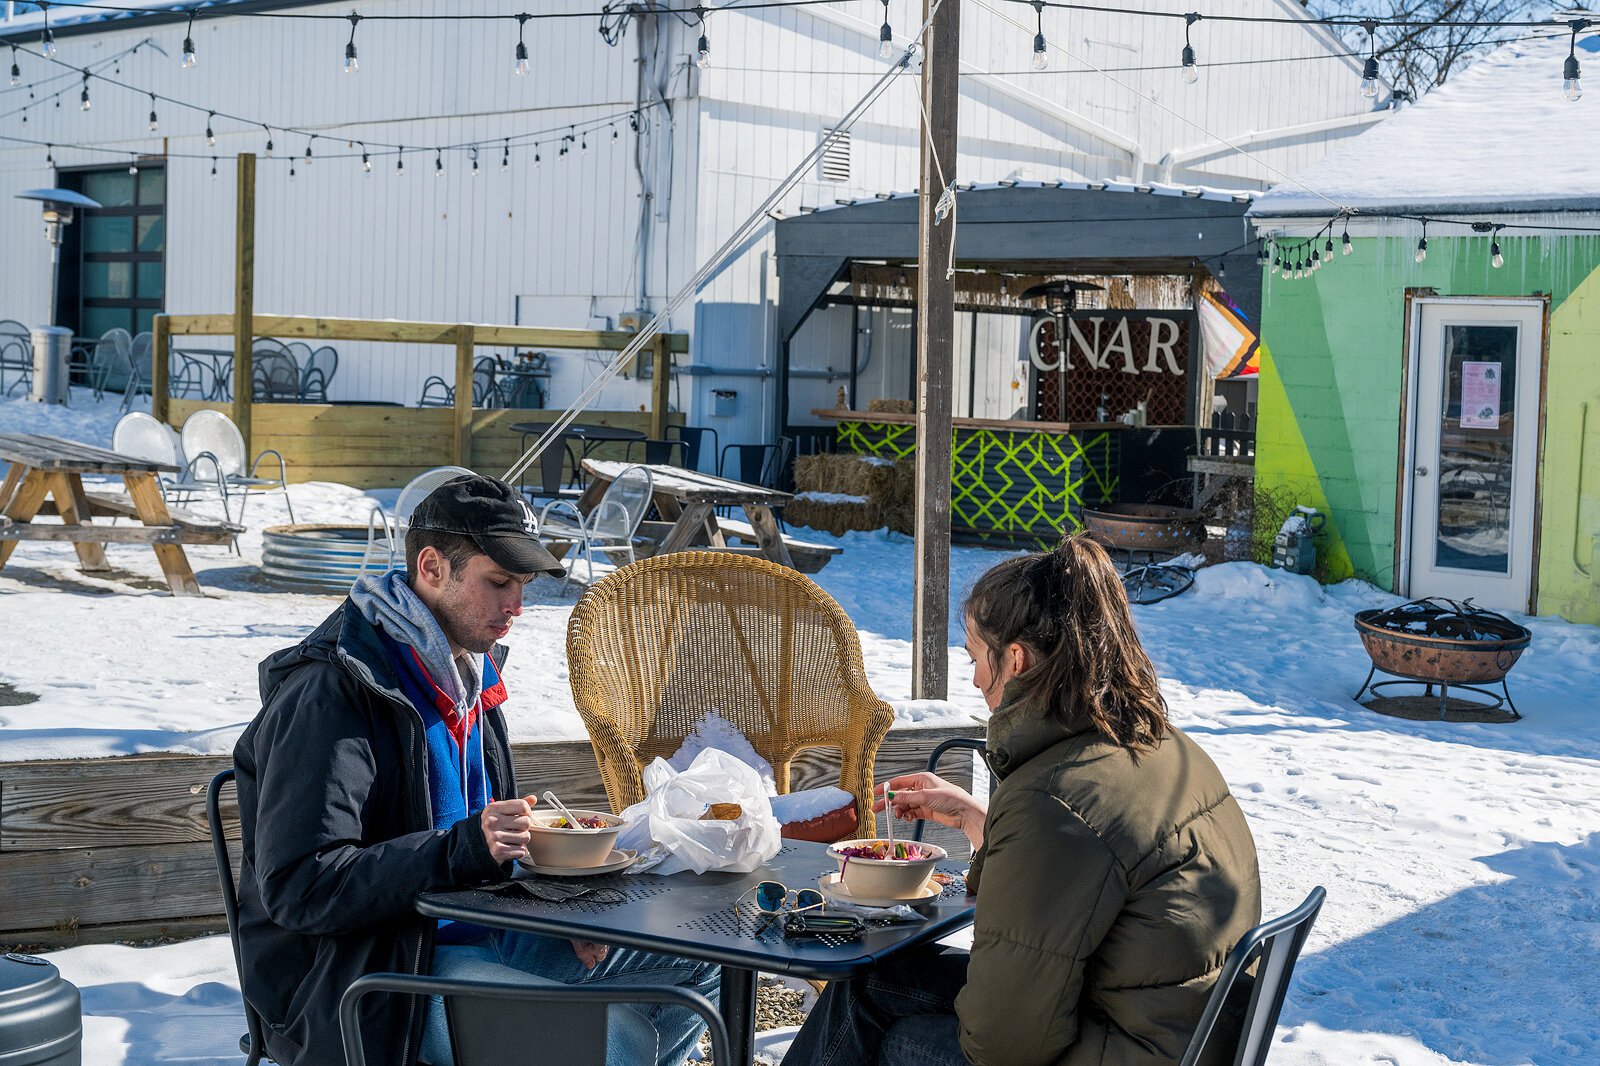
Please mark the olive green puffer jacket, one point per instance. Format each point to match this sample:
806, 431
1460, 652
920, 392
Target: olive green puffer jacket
1110, 890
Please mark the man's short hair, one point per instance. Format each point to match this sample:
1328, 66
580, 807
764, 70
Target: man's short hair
456, 548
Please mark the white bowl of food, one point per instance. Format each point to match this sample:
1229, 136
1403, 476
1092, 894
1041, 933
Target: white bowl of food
871, 869
556, 843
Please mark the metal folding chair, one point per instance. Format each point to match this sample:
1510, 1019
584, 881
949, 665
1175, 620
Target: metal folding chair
1275, 946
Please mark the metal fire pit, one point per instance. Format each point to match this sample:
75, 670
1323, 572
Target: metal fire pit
1435, 641
319, 558
1146, 527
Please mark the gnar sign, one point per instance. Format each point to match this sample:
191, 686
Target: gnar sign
1099, 346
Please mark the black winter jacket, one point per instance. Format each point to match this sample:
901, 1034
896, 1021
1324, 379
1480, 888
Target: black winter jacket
339, 840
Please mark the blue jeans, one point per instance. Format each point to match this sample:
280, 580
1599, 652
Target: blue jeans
901, 1014
634, 1035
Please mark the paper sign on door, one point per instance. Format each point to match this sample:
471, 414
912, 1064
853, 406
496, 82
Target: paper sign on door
1480, 395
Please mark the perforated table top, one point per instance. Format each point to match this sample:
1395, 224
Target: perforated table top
693, 916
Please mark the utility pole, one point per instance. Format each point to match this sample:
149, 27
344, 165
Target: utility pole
936, 330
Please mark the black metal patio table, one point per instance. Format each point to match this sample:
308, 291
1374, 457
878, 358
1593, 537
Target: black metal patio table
692, 916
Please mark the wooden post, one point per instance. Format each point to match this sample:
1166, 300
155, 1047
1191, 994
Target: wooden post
936, 327
244, 294
662, 368
160, 364
465, 341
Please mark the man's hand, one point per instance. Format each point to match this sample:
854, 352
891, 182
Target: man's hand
589, 953
505, 828
925, 795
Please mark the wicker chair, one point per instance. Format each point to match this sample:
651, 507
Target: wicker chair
654, 646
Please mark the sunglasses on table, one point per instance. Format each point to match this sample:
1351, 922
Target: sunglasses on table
773, 898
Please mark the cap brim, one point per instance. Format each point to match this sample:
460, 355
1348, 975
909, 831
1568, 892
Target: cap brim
520, 555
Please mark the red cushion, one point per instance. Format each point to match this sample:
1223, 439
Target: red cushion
839, 824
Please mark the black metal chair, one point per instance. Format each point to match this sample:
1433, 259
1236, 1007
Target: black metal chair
1275, 945
570, 1022
316, 374
16, 356
695, 438
953, 744
660, 453
251, 1042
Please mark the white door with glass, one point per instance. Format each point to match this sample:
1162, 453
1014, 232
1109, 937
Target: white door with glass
1472, 469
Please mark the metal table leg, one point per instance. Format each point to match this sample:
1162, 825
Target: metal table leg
739, 1013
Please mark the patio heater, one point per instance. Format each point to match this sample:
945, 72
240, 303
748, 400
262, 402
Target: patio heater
1060, 300
51, 344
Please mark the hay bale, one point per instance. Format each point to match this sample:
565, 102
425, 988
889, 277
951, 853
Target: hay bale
901, 511
892, 407
833, 512
844, 472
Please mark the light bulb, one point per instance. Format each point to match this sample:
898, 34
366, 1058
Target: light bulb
1299, 270
291, 170
188, 60
153, 123
1288, 271
438, 165
1347, 246
213, 168
16, 71
1041, 56
47, 44
351, 63
1369, 78
704, 59
1222, 271
133, 167
522, 59
474, 166
886, 48
1327, 250
1191, 72
535, 159
1316, 259
1422, 249
1569, 80
1496, 260
308, 155
83, 100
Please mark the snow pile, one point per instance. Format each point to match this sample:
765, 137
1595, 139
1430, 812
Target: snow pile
1498, 135
716, 732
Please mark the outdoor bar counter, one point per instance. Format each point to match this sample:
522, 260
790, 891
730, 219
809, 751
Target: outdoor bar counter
1012, 481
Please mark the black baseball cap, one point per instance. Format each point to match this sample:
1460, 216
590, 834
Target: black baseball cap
494, 515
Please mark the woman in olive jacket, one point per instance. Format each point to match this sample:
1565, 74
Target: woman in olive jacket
1113, 870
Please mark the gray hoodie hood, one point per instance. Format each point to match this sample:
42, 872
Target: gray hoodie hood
386, 600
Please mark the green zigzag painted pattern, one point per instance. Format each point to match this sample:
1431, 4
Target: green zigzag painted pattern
1022, 487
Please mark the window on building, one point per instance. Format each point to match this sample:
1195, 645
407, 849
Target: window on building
121, 272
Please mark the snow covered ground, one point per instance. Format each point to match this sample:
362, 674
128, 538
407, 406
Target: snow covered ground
1462, 862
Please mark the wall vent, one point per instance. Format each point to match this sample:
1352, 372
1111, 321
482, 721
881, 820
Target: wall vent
836, 158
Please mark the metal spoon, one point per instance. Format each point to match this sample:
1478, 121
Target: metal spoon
572, 819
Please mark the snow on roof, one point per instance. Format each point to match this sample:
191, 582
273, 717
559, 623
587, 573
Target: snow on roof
1499, 136
64, 18
1152, 188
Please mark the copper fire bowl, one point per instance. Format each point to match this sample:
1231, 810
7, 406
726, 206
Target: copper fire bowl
1444, 660
1145, 527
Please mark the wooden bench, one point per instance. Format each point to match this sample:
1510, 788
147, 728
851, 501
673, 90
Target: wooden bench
808, 556
187, 527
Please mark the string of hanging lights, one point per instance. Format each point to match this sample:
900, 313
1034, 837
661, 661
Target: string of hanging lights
611, 31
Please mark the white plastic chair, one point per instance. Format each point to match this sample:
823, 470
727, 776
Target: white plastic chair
211, 436
144, 437
609, 527
394, 523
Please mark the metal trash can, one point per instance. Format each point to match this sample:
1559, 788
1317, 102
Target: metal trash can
41, 1015
52, 350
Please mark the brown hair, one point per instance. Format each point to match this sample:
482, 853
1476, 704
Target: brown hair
456, 548
1068, 608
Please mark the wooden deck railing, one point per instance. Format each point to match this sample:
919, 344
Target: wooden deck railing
465, 337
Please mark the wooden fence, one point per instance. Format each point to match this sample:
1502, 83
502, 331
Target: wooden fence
105, 849
369, 447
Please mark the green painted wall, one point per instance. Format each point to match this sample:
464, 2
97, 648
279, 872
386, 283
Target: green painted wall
1329, 417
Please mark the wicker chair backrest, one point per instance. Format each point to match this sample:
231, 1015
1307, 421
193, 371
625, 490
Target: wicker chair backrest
655, 646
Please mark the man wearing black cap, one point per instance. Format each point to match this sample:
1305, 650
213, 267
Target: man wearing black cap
380, 767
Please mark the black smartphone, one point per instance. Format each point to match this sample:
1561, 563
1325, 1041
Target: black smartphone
806, 924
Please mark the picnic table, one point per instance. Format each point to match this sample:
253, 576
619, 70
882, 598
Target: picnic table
688, 501
694, 916
42, 466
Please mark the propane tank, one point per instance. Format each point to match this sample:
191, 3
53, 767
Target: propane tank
1295, 547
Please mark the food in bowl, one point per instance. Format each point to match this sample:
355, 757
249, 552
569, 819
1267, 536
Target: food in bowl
877, 869
555, 843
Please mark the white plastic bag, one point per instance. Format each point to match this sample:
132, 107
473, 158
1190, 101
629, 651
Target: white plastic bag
665, 827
